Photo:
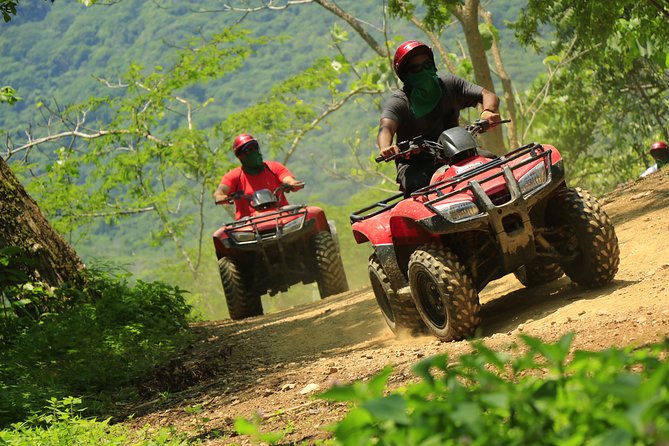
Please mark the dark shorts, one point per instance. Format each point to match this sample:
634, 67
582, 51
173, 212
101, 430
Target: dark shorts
416, 175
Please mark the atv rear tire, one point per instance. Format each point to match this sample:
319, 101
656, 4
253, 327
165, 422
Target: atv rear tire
331, 277
241, 303
398, 311
590, 232
535, 274
443, 292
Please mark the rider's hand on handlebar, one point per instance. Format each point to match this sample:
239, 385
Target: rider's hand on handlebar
229, 199
298, 185
389, 151
394, 150
292, 187
493, 118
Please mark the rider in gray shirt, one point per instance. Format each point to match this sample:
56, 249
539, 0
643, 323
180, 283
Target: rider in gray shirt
427, 105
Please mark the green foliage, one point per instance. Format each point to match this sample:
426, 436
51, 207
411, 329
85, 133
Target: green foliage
539, 395
113, 336
23, 302
8, 8
252, 429
61, 422
12, 261
609, 91
8, 95
437, 13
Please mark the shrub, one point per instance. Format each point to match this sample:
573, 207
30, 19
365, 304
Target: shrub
115, 334
538, 397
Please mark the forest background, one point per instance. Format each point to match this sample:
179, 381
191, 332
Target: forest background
126, 112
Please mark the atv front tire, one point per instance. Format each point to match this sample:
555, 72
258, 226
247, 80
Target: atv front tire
535, 274
588, 231
241, 303
398, 310
443, 292
331, 277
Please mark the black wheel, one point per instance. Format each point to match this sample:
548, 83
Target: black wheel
241, 303
587, 232
538, 273
398, 311
331, 277
444, 294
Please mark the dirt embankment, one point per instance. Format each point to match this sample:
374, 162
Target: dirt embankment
272, 365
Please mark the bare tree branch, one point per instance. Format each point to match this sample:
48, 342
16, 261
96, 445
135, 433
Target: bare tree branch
114, 213
75, 133
331, 109
355, 24
435, 43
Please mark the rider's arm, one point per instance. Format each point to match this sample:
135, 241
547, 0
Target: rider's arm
387, 130
221, 194
285, 175
490, 107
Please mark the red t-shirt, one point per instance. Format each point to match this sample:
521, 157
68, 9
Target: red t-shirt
270, 178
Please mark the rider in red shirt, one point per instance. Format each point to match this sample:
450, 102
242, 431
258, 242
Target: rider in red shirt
252, 175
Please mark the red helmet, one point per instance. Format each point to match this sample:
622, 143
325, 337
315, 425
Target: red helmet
659, 146
242, 140
660, 151
406, 51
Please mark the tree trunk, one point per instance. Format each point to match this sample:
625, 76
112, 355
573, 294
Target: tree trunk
468, 16
509, 97
22, 224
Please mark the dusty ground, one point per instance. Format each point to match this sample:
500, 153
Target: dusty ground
272, 365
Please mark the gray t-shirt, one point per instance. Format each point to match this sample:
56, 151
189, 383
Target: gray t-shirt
457, 94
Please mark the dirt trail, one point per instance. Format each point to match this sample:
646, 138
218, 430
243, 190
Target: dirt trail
272, 365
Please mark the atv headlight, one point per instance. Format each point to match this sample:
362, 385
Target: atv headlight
242, 236
294, 225
533, 179
457, 211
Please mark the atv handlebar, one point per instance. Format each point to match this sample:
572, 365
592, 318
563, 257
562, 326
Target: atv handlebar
483, 125
240, 194
289, 187
407, 147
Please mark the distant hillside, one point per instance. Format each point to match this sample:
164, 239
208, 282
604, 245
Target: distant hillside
53, 51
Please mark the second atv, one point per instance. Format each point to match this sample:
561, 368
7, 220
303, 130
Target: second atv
480, 219
273, 249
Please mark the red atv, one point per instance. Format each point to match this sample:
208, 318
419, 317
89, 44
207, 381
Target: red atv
274, 248
480, 219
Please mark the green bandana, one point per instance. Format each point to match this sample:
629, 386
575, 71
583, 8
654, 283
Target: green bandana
425, 91
252, 162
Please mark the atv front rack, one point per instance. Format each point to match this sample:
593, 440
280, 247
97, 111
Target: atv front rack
390, 202
298, 211
496, 162
485, 202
